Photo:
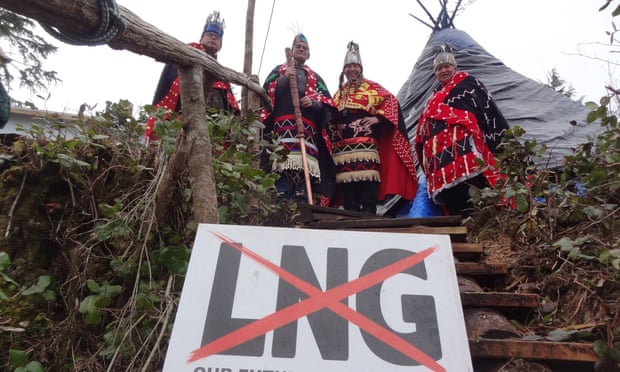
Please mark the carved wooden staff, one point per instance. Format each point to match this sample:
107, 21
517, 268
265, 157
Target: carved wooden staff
292, 78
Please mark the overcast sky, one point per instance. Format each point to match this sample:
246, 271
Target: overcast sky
529, 36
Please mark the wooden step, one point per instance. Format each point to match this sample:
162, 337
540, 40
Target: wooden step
457, 233
475, 249
480, 269
467, 251
488, 343
312, 213
434, 230
337, 219
323, 217
499, 299
517, 348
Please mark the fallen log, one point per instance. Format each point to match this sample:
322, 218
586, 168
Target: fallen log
80, 17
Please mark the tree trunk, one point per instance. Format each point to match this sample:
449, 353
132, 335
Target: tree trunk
199, 161
193, 152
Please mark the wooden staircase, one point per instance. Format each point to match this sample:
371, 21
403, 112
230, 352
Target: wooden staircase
489, 314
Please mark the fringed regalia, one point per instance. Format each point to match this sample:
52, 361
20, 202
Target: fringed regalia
379, 152
458, 132
281, 127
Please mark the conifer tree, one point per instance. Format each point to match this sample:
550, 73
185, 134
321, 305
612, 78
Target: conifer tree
28, 51
558, 84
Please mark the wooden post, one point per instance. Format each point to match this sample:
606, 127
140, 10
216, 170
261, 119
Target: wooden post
200, 162
247, 58
192, 151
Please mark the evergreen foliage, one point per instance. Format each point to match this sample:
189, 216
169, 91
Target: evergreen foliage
563, 226
32, 50
88, 281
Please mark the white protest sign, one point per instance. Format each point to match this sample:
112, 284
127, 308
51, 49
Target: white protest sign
298, 300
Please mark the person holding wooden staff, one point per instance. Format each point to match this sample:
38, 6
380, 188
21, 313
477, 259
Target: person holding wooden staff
281, 126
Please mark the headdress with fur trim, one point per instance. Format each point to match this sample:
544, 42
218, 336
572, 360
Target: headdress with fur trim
353, 54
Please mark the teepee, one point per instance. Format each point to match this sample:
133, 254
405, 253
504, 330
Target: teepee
547, 116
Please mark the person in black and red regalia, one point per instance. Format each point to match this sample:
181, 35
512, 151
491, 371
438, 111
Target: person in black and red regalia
168, 95
280, 127
370, 145
458, 134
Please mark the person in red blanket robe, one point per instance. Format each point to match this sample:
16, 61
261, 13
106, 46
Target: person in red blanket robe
280, 128
370, 145
458, 133
168, 95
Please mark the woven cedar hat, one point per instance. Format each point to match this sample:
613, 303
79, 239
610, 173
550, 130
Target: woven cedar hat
444, 58
300, 37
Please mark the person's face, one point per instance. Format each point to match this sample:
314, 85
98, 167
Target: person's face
211, 42
444, 73
301, 52
353, 72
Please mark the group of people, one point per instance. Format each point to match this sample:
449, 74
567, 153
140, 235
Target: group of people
357, 151
352, 149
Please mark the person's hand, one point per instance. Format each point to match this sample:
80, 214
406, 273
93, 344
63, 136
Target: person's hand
305, 101
290, 71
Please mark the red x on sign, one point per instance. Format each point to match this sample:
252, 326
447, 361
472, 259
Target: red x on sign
318, 300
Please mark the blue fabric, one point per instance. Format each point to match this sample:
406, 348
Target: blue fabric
216, 28
422, 205
300, 37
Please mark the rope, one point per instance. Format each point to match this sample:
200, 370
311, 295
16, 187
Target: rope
112, 24
273, 5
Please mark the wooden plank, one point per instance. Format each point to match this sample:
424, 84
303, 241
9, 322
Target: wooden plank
324, 217
450, 230
465, 251
312, 213
474, 268
388, 223
499, 299
473, 248
514, 348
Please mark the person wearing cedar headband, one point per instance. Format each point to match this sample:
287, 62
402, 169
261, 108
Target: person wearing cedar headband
458, 134
168, 95
369, 142
280, 127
